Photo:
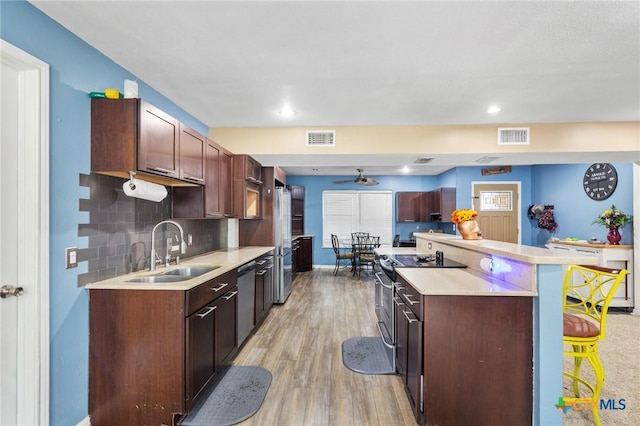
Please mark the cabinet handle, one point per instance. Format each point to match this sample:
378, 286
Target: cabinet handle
220, 287
412, 302
406, 315
193, 179
158, 169
398, 301
269, 267
230, 296
269, 257
262, 272
209, 310
261, 262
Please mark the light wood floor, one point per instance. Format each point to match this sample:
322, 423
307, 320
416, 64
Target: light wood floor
300, 344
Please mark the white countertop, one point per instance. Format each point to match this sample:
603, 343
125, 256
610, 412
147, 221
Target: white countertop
452, 281
228, 259
458, 282
528, 254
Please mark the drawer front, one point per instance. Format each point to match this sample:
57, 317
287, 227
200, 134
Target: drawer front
410, 296
206, 292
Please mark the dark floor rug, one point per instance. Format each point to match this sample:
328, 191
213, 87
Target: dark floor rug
234, 397
366, 355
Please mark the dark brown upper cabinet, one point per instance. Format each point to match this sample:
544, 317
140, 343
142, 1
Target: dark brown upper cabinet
192, 155
408, 206
133, 135
215, 199
247, 184
426, 206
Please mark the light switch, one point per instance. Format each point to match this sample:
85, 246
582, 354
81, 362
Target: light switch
71, 257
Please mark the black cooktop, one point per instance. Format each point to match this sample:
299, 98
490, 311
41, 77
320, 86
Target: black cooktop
413, 261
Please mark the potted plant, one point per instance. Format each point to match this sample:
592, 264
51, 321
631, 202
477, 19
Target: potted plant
613, 219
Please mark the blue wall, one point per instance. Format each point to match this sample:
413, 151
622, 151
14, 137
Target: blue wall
76, 69
557, 185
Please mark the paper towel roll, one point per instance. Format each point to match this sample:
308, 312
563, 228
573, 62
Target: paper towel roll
145, 190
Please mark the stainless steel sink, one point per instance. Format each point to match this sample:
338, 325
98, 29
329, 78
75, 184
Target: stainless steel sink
179, 274
159, 279
191, 271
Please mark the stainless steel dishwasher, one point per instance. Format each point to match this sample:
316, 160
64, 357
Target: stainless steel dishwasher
246, 300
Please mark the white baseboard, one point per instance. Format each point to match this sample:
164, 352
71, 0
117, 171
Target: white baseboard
85, 422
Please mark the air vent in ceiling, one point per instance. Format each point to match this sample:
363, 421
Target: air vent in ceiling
321, 138
513, 136
485, 160
423, 160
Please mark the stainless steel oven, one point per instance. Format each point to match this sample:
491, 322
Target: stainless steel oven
385, 281
386, 313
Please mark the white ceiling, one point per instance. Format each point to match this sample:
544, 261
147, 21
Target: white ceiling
360, 63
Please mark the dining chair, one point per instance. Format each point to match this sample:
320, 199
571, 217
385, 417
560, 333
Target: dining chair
356, 235
365, 254
340, 255
587, 292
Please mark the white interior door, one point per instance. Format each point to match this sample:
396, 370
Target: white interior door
24, 237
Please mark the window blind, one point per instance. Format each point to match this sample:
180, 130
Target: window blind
344, 212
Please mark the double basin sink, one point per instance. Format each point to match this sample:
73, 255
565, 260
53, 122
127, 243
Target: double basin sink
181, 273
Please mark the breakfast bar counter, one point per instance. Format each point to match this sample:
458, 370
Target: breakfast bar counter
499, 269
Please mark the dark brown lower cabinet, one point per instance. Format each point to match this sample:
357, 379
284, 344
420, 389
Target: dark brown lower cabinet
474, 355
264, 287
305, 254
200, 348
153, 352
225, 326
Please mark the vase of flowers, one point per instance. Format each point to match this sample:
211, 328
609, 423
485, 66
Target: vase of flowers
613, 219
465, 220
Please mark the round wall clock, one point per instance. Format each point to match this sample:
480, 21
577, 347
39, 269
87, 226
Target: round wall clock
600, 180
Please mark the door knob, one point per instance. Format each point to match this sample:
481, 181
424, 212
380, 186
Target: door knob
7, 290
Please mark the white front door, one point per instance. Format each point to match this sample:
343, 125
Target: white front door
24, 238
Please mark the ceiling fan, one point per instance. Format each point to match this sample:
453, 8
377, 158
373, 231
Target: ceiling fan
360, 179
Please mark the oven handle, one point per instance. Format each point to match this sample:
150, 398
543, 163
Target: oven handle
390, 346
381, 281
412, 302
406, 315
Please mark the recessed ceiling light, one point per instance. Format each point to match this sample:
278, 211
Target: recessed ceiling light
494, 109
286, 112
405, 169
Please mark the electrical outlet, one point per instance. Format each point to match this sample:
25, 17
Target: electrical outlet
71, 257
189, 239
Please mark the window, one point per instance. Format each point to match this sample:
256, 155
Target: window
344, 212
496, 201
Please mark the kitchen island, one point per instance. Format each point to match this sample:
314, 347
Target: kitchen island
492, 339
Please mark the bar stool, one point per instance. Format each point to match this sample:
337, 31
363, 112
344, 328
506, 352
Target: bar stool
587, 292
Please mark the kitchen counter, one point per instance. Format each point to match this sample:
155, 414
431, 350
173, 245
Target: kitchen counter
452, 281
228, 259
458, 282
528, 254
534, 269
584, 243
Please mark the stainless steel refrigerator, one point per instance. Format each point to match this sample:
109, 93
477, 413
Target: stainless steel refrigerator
282, 242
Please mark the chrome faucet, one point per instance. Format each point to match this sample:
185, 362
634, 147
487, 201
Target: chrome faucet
183, 245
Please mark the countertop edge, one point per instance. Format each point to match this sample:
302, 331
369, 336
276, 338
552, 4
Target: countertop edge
228, 259
528, 254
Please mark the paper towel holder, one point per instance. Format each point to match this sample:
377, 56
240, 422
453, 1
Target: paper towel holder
145, 190
132, 182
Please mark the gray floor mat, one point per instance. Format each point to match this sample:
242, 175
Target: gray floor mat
235, 396
366, 355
